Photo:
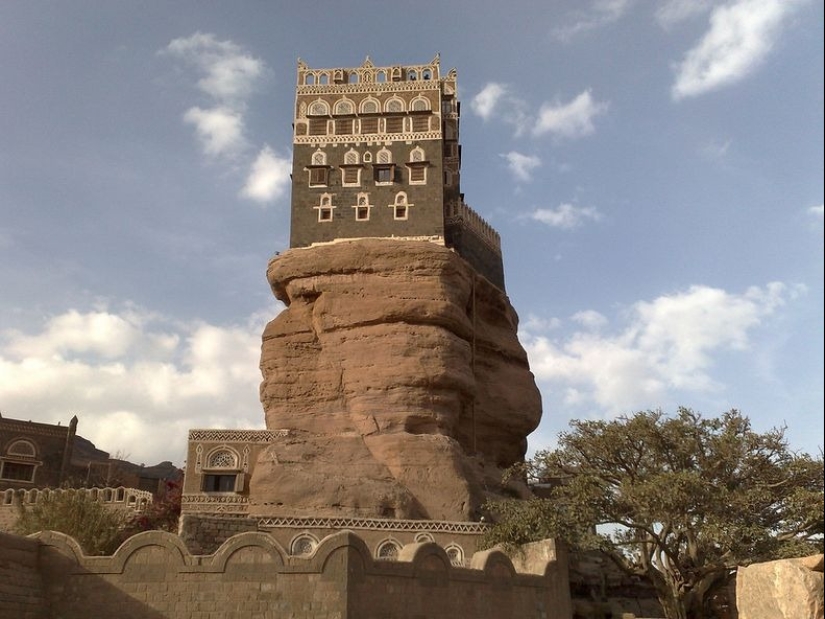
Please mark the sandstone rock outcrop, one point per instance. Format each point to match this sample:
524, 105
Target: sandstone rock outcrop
787, 589
396, 382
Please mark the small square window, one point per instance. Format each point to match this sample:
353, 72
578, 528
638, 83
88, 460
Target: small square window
219, 483
350, 176
369, 125
394, 124
400, 211
418, 174
317, 126
362, 213
318, 177
325, 213
343, 126
384, 174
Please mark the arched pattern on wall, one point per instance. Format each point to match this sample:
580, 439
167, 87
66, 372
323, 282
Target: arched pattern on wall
387, 550
420, 104
370, 105
344, 106
319, 107
394, 105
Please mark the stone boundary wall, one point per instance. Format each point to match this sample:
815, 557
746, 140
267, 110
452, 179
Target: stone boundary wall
21, 587
128, 499
251, 576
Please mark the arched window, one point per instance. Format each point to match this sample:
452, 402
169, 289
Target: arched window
421, 538
412, 76
394, 105
384, 156
319, 157
388, 550
351, 157
420, 104
344, 106
318, 107
309, 80
22, 447
370, 106
325, 208
222, 459
456, 554
222, 471
400, 207
381, 76
352, 78
362, 207
417, 154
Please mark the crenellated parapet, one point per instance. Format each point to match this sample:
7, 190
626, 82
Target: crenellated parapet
459, 213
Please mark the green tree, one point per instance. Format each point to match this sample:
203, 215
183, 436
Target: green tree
98, 529
680, 501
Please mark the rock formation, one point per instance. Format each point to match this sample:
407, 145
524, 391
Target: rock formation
395, 382
786, 589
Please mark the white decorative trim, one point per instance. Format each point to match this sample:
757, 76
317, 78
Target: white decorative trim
371, 524
236, 436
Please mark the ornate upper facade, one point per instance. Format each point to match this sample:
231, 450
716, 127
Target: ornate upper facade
376, 154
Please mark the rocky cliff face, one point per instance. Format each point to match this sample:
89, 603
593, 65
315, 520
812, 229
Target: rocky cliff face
396, 380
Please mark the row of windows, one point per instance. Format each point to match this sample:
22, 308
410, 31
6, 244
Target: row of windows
382, 174
353, 157
365, 126
370, 105
361, 209
340, 76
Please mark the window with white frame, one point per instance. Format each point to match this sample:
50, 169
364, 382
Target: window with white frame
318, 170
222, 472
417, 166
362, 207
370, 106
325, 208
318, 108
351, 169
344, 107
19, 463
394, 105
401, 208
384, 167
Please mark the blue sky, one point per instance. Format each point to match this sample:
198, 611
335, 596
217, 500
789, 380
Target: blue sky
655, 170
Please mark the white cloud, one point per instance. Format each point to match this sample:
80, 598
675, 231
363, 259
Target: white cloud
484, 103
220, 130
666, 345
566, 216
497, 101
269, 177
590, 319
229, 75
569, 120
600, 14
816, 211
520, 165
674, 12
136, 381
741, 35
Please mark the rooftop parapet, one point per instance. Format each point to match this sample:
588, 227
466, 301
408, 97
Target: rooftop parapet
460, 213
368, 73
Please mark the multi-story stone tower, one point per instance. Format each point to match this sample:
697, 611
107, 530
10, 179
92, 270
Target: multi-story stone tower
376, 154
395, 390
